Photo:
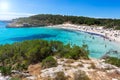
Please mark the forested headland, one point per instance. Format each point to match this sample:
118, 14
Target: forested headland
48, 19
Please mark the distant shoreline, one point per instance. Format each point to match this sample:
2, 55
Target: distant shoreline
112, 35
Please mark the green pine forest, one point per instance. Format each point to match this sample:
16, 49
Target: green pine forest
49, 19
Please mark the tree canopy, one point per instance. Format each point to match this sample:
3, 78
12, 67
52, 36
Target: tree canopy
48, 19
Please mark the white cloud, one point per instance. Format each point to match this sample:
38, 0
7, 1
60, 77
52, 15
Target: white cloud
13, 15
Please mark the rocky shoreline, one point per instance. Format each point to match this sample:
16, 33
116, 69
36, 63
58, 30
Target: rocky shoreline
16, 25
69, 69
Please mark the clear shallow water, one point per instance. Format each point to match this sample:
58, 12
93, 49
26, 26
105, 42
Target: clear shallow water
96, 45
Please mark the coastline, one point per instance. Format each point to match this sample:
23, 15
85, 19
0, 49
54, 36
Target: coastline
88, 66
110, 34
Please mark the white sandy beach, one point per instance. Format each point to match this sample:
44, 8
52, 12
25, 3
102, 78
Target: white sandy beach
112, 35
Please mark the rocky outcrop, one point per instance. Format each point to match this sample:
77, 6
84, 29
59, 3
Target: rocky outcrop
74, 69
69, 69
18, 25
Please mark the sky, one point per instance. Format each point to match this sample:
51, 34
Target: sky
10, 9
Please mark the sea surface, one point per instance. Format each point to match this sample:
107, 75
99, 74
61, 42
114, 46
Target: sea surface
97, 45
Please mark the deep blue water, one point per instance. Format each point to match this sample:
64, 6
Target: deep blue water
97, 45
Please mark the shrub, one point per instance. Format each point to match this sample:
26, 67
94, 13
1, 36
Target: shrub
93, 66
13, 78
49, 62
5, 70
117, 28
113, 61
77, 53
60, 76
80, 75
70, 61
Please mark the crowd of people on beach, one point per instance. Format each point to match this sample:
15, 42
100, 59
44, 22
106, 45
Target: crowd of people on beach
111, 34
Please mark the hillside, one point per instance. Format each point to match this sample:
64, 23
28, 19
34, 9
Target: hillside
48, 19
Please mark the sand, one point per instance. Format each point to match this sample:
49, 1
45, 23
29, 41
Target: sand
112, 35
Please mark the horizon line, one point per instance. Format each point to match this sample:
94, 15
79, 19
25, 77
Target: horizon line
22, 15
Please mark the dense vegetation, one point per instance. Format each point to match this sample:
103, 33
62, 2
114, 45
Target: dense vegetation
49, 62
20, 55
114, 61
47, 19
5, 70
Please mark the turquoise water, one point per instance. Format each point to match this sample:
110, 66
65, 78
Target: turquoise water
97, 45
